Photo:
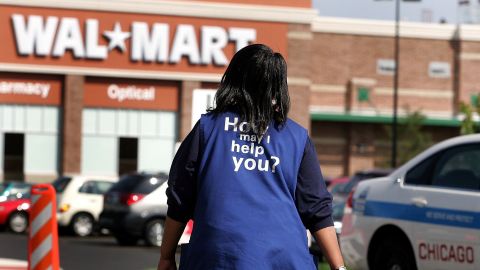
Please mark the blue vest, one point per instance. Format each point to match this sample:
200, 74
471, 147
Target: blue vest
245, 214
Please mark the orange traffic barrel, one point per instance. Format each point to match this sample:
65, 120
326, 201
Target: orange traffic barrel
43, 234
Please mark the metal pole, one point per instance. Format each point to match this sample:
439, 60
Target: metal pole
395, 84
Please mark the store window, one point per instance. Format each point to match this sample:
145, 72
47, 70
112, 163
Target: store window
116, 141
34, 129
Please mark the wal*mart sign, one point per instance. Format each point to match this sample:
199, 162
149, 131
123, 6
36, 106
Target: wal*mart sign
53, 36
65, 39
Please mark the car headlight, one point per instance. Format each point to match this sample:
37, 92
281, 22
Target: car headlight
23, 206
64, 207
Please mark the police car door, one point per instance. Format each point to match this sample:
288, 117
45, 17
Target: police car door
445, 203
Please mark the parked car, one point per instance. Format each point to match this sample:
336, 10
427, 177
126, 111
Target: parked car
342, 193
135, 208
337, 182
80, 201
14, 205
425, 215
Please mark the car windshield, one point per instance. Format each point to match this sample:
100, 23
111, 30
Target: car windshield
15, 191
142, 184
61, 183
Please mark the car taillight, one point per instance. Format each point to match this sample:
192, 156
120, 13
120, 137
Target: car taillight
350, 199
349, 203
131, 198
64, 207
189, 228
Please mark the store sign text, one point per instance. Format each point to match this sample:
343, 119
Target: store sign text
121, 94
53, 36
24, 88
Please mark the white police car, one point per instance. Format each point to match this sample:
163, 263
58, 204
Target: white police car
425, 215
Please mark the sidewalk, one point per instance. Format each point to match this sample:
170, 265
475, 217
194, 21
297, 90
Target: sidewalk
11, 264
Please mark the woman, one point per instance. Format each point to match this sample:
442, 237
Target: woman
250, 179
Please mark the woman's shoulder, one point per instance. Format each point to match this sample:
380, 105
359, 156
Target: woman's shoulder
212, 115
291, 124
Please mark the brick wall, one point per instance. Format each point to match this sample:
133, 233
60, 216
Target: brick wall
340, 58
299, 72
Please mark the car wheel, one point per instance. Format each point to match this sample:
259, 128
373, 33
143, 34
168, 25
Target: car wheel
125, 239
82, 224
154, 232
394, 255
18, 222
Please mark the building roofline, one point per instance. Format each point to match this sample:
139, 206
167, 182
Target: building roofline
367, 27
231, 11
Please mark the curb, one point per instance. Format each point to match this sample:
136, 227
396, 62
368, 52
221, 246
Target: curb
11, 264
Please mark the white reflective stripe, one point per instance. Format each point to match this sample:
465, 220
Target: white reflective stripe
40, 252
49, 268
41, 219
35, 198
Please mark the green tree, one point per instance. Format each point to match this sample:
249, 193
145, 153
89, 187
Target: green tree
470, 126
412, 139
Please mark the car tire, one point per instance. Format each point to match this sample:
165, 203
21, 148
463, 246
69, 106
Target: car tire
153, 233
124, 238
18, 222
394, 254
82, 224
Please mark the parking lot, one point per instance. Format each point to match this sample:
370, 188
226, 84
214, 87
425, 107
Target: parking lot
96, 252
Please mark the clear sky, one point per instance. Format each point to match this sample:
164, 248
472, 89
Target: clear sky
385, 9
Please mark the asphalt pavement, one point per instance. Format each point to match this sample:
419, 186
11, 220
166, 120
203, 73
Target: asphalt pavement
92, 253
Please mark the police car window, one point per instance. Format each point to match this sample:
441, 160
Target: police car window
422, 173
458, 168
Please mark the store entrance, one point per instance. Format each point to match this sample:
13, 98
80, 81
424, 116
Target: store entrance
13, 156
127, 155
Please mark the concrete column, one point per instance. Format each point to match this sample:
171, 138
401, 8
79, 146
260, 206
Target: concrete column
71, 150
185, 111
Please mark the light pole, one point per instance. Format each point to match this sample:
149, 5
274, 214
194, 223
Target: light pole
395, 84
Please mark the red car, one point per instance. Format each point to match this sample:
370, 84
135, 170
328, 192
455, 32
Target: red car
14, 205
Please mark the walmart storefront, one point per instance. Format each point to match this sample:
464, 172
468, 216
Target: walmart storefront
104, 88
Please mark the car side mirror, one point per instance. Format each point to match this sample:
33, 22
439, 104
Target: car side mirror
398, 180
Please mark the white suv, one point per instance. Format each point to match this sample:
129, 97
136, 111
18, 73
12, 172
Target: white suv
425, 215
80, 201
